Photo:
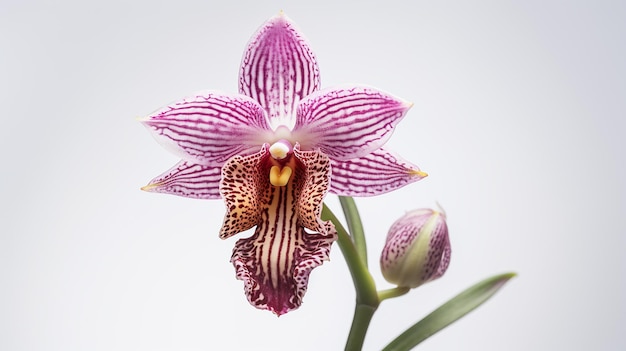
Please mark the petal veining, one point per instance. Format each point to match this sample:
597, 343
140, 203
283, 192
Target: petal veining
188, 180
278, 70
379, 172
208, 128
347, 123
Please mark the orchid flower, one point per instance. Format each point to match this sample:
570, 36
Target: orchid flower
269, 152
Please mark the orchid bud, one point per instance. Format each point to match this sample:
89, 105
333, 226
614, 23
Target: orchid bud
417, 249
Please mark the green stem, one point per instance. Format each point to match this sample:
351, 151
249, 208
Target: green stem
354, 225
394, 292
362, 316
363, 282
366, 295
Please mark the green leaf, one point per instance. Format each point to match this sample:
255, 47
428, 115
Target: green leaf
449, 312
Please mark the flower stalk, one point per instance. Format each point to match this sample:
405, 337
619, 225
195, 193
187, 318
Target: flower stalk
367, 299
355, 226
363, 282
393, 292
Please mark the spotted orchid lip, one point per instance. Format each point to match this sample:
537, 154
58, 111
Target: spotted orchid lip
289, 239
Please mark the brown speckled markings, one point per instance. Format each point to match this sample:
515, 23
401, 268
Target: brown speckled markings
242, 187
310, 197
275, 262
309, 251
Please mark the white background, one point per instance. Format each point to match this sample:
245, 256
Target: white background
518, 119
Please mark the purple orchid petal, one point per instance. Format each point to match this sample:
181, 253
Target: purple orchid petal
188, 180
379, 172
278, 70
347, 123
208, 128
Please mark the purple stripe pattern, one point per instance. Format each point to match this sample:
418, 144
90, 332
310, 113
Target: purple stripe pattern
417, 249
188, 180
379, 172
278, 70
209, 128
276, 261
348, 123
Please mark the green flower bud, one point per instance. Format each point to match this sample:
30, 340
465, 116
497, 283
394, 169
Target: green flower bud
417, 249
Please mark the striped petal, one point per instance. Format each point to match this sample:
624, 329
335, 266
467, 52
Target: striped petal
275, 267
188, 180
208, 128
275, 262
278, 70
347, 123
379, 172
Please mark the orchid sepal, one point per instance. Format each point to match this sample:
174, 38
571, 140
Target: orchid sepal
188, 180
377, 173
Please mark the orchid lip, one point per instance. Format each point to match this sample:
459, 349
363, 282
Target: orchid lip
275, 262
